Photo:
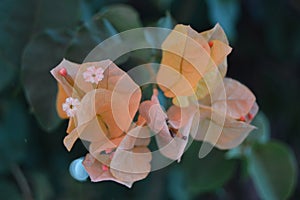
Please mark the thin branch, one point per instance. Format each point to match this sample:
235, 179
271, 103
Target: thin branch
21, 181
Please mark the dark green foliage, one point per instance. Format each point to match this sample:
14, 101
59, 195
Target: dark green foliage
37, 34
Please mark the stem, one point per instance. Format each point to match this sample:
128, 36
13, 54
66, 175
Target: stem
21, 181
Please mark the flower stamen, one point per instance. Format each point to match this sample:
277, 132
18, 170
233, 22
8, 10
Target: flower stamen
242, 119
64, 73
105, 167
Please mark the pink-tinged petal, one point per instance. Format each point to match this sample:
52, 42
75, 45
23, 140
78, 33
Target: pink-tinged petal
143, 137
216, 33
233, 132
157, 118
71, 69
179, 117
131, 166
97, 174
154, 114
70, 139
104, 145
239, 99
131, 160
219, 53
71, 125
170, 147
61, 97
173, 147
252, 113
137, 136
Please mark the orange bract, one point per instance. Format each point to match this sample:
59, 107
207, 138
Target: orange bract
101, 113
223, 101
186, 58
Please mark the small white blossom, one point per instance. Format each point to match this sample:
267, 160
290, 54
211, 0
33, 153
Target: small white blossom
71, 106
93, 74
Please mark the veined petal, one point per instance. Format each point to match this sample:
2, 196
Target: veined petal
186, 53
95, 170
233, 132
239, 98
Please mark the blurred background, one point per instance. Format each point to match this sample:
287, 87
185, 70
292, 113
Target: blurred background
36, 34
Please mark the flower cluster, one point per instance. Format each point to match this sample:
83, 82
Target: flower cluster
104, 108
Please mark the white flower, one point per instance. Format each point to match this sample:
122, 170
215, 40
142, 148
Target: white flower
71, 106
93, 74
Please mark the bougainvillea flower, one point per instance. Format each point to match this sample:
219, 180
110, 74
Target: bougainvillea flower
71, 106
241, 108
101, 107
101, 102
172, 128
187, 57
226, 128
126, 164
93, 74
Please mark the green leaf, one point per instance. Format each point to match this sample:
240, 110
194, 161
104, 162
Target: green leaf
103, 25
57, 14
262, 133
15, 26
236, 152
8, 73
8, 190
90, 7
208, 173
87, 37
273, 169
225, 12
156, 38
42, 186
121, 16
84, 41
14, 130
42, 54
163, 4
176, 185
